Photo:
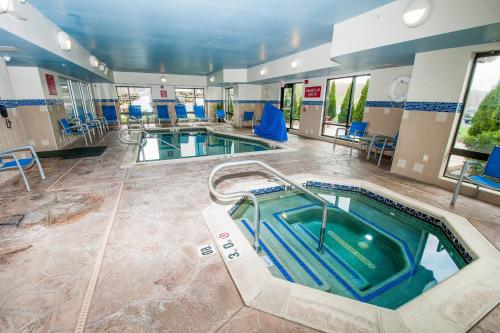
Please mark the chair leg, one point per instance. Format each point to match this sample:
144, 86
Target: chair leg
21, 171
381, 153
459, 183
38, 164
334, 142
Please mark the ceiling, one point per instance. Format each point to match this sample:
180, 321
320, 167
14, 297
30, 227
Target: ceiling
198, 36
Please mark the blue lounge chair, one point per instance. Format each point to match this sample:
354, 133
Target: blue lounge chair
134, 114
219, 114
101, 120
381, 144
181, 113
9, 160
247, 117
91, 124
72, 130
162, 113
109, 113
355, 131
199, 113
489, 179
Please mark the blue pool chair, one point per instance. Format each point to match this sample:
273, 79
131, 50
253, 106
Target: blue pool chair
134, 114
91, 124
199, 113
355, 131
101, 120
162, 113
181, 113
382, 144
248, 116
9, 160
72, 130
489, 179
109, 113
219, 114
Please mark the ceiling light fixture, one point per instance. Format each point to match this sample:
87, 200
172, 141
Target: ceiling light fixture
212, 78
4, 6
163, 78
93, 61
263, 71
102, 67
416, 13
64, 41
7, 58
294, 63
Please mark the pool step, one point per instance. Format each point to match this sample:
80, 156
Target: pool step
288, 260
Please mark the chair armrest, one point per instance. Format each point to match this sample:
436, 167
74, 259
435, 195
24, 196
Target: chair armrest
359, 133
16, 149
340, 128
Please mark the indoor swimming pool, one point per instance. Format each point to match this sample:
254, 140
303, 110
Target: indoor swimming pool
376, 250
194, 142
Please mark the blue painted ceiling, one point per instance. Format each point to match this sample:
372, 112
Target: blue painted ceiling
198, 36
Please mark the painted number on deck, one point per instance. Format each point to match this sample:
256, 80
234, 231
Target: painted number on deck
206, 250
228, 248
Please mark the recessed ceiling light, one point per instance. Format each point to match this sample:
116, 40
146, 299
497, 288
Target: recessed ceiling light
212, 78
64, 41
163, 78
294, 63
416, 13
263, 71
7, 58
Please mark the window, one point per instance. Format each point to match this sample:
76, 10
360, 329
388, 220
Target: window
190, 97
229, 103
66, 96
291, 104
345, 100
134, 96
479, 128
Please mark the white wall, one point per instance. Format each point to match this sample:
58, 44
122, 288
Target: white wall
384, 25
381, 79
247, 92
26, 82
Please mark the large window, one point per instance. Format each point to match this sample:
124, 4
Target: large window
345, 100
479, 128
134, 96
291, 103
229, 103
190, 97
77, 97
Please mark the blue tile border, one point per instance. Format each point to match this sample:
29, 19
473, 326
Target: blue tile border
401, 207
312, 102
419, 106
215, 101
163, 100
12, 103
106, 100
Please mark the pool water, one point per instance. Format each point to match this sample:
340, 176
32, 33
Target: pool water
194, 143
373, 252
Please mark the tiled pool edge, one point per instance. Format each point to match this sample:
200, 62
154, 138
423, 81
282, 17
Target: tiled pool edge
130, 157
433, 311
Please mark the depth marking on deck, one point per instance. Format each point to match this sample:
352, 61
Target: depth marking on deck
82, 318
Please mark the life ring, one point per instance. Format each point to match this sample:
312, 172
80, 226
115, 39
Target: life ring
398, 90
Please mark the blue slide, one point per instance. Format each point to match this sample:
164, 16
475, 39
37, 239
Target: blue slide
272, 125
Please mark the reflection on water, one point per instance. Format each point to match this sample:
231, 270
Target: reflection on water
193, 144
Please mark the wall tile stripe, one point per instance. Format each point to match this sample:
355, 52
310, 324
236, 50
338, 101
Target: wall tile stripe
12, 103
106, 100
419, 106
312, 102
163, 100
215, 101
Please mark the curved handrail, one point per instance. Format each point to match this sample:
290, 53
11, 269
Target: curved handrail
140, 131
234, 195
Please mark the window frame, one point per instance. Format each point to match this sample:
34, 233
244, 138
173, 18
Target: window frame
476, 155
194, 94
351, 98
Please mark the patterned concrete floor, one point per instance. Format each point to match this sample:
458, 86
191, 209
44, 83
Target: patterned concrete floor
152, 278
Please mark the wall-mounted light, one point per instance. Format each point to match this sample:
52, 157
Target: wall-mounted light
93, 61
106, 71
7, 58
294, 63
163, 78
4, 6
263, 71
64, 41
416, 13
212, 78
14, 7
102, 67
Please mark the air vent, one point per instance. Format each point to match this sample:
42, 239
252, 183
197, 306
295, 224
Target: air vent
9, 49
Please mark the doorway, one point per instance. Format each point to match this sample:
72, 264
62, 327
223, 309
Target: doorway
291, 104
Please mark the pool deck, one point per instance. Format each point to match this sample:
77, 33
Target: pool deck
152, 277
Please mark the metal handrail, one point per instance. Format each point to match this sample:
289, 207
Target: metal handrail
248, 194
140, 131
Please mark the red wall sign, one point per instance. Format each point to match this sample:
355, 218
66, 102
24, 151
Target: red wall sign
163, 93
312, 92
51, 84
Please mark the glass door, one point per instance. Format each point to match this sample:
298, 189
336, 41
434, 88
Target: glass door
87, 98
229, 103
291, 104
77, 98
